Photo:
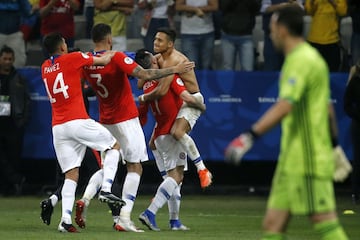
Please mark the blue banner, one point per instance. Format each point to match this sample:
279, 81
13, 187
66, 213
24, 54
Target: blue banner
234, 101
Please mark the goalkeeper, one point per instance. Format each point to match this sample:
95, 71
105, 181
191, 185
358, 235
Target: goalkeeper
302, 184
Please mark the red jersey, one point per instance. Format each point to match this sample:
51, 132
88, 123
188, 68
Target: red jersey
113, 89
60, 19
61, 76
166, 108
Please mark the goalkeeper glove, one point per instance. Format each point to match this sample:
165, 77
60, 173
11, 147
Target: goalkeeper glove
342, 165
239, 146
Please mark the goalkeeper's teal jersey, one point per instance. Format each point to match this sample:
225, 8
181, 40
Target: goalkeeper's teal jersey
305, 143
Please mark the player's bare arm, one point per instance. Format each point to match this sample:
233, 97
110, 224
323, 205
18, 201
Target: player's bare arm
150, 74
161, 89
191, 101
272, 117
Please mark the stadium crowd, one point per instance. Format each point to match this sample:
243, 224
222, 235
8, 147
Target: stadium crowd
218, 35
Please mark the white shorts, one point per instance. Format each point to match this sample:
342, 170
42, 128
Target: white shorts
71, 139
172, 153
131, 138
189, 113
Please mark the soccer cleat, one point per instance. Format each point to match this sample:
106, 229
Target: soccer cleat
176, 225
205, 177
126, 226
148, 219
46, 211
110, 198
80, 215
63, 227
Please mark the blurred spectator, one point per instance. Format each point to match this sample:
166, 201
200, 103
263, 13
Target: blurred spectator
324, 29
158, 13
14, 113
58, 16
352, 109
272, 59
11, 12
238, 21
114, 13
354, 12
89, 16
30, 26
197, 30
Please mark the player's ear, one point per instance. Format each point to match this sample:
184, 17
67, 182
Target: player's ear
170, 44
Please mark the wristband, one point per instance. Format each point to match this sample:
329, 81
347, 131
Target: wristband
253, 134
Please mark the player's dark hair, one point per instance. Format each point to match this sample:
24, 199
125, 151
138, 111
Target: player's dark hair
52, 41
170, 33
99, 32
143, 58
292, 18
6, 49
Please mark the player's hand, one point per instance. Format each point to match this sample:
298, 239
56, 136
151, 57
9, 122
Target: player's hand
238, 147
184, 67
342, 165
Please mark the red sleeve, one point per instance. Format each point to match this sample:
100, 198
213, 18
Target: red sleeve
80, 59
126, 64
177, 85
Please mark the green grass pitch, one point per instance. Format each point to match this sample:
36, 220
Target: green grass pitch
209, 217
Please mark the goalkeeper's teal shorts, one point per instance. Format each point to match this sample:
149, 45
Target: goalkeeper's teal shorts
301, 195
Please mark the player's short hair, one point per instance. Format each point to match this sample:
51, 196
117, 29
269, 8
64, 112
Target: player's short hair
143, 58
170, 33
291, 17
6, 49
100, 31
52, 41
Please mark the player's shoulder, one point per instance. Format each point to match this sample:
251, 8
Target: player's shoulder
179, 56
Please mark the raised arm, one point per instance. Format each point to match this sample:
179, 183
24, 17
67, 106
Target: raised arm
191, 101
150, 74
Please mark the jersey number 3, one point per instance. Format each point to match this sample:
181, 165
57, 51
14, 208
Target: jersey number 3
58, 87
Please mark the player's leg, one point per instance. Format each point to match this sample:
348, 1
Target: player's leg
277, 215
163, 194
131, 137
174, 162
175, 199
47, 205
180, 131
274, 224
92, 188
325, 219
99, 138
69, 153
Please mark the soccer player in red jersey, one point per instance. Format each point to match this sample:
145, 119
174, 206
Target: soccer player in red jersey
169, 154
72, 128
168, 56
118, 113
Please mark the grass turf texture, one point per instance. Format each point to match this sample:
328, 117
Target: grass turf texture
209, 217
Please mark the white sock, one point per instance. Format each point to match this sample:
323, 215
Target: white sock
110, 167
174, 204
163, 194
129, 192
54, 200
188, 143
93, 186
68, 198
